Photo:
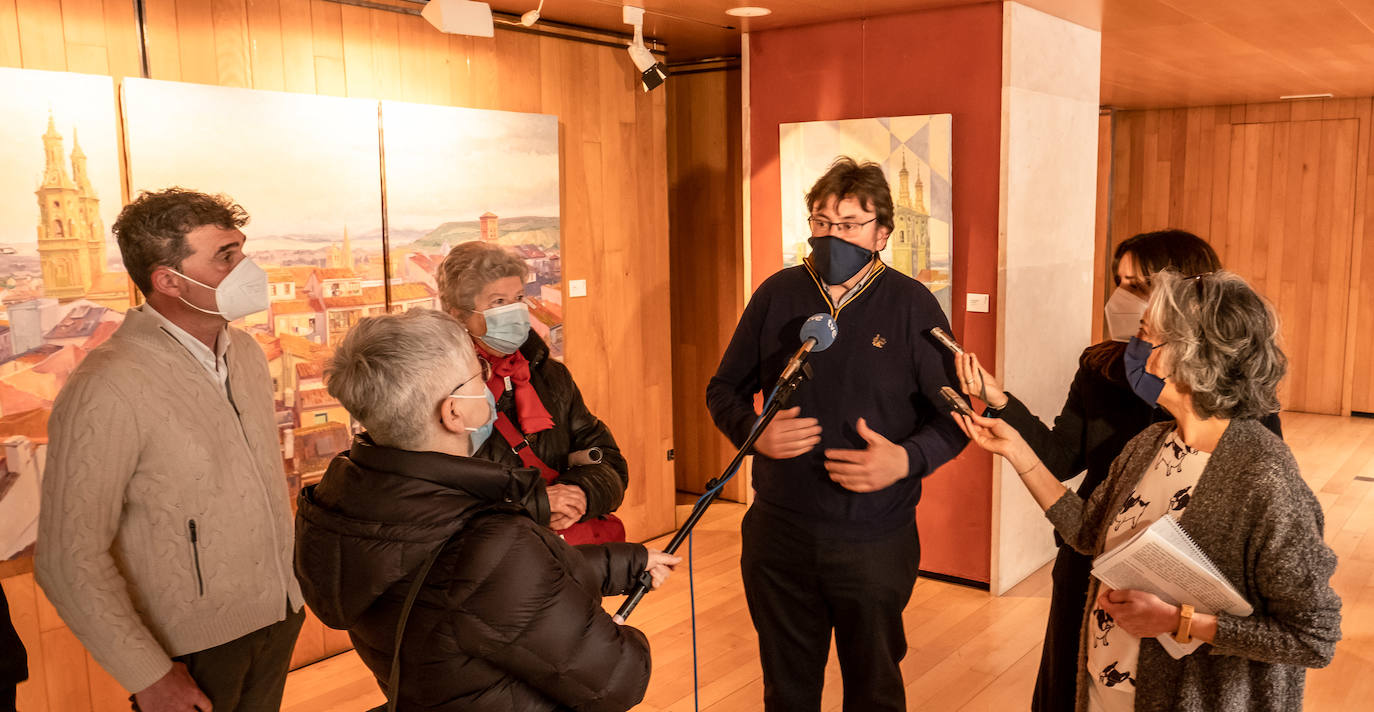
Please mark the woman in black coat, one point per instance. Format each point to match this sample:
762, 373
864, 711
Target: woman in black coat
544, 423
1100, 415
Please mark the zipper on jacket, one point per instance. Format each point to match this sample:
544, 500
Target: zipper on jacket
195, 551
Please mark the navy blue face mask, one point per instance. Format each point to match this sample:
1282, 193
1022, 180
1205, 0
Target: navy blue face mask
836, 260
1145, 384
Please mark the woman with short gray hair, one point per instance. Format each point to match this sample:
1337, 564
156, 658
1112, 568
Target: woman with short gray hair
542, 421
1208, 354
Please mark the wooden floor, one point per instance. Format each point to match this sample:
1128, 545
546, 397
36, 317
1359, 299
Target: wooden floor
968, 649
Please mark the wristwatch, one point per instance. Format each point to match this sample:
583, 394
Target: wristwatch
1185, 624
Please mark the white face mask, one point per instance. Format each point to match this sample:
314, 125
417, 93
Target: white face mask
242, 292
1124, 311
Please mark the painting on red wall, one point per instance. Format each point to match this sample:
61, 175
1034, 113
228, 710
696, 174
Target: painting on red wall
914, 152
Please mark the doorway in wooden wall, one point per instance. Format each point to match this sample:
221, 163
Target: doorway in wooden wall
1278, 190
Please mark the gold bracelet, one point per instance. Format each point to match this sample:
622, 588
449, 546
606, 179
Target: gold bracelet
1185, 624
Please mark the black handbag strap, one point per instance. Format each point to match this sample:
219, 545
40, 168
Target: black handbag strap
394, 679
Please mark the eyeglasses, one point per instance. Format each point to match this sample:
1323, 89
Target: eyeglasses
484, 372
821, 226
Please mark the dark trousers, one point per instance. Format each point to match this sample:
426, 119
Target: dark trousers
247, 674
800, 588
1056, 684
7, 696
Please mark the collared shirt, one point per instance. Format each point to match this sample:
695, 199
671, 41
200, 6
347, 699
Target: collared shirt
854, 290
216, 365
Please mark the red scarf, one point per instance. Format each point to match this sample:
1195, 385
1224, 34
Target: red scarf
534, 417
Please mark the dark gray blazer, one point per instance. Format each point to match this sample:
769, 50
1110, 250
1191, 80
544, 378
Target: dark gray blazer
1255, 517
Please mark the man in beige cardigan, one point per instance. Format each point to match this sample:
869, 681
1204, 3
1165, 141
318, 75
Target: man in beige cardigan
165, 533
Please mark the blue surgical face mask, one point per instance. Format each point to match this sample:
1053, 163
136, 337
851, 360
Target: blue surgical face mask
481, 433
1145, 384
836, 260
508, 326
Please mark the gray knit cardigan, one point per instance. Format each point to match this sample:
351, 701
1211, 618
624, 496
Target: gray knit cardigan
1253, 515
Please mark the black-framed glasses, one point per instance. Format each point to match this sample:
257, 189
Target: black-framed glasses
484, 372
821, 226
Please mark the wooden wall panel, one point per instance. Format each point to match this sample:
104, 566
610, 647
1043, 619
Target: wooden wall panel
614, 180
1281, 191
706, 234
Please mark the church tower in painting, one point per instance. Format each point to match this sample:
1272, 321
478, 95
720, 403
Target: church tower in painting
911, 230
64, 232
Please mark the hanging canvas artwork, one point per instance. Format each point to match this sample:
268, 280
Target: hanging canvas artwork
914, 152
307, 170
454, 175
62, 288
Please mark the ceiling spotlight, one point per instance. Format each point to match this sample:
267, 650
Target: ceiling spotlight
748, 11
460, 17
652, 71
528, 19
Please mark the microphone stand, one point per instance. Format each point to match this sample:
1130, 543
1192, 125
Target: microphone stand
777, 400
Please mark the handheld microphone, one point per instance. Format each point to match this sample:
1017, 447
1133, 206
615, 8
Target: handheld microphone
818, 332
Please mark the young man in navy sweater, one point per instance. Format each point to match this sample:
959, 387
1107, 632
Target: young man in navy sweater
830, 543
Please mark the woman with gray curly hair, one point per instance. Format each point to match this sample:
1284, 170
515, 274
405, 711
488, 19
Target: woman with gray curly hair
1208, 354
541, 419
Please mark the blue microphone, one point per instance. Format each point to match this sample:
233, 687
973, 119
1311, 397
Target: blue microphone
818, 332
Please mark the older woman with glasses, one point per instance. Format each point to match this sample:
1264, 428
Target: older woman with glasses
541, 419
1208, 353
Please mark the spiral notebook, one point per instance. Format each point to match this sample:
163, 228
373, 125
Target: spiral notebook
1163, 560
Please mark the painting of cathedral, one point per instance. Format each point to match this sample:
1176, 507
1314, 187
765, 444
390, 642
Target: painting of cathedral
63, 290
454, 175
914, 152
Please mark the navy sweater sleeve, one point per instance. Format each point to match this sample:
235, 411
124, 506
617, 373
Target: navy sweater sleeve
940, 439
730, 393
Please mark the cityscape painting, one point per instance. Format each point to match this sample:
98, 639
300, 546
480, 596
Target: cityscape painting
914, 152
455, 175
63, 290
308, 171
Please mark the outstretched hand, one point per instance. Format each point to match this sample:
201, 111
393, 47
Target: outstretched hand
876, 467
660, 566
998, 437
976, 381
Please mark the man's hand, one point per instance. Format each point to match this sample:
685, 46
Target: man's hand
660, 565
871, 469
567, 504
173, 692
789, 435
1139, 613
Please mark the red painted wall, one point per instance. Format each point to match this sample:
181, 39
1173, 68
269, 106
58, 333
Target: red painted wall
946, 61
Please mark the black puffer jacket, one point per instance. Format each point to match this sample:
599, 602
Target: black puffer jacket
509, 618
574, 428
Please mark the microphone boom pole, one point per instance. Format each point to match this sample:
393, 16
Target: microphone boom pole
775, 403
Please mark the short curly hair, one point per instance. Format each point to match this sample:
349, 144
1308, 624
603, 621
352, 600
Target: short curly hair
864, 182
152, 230
1221, 343
471, 266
